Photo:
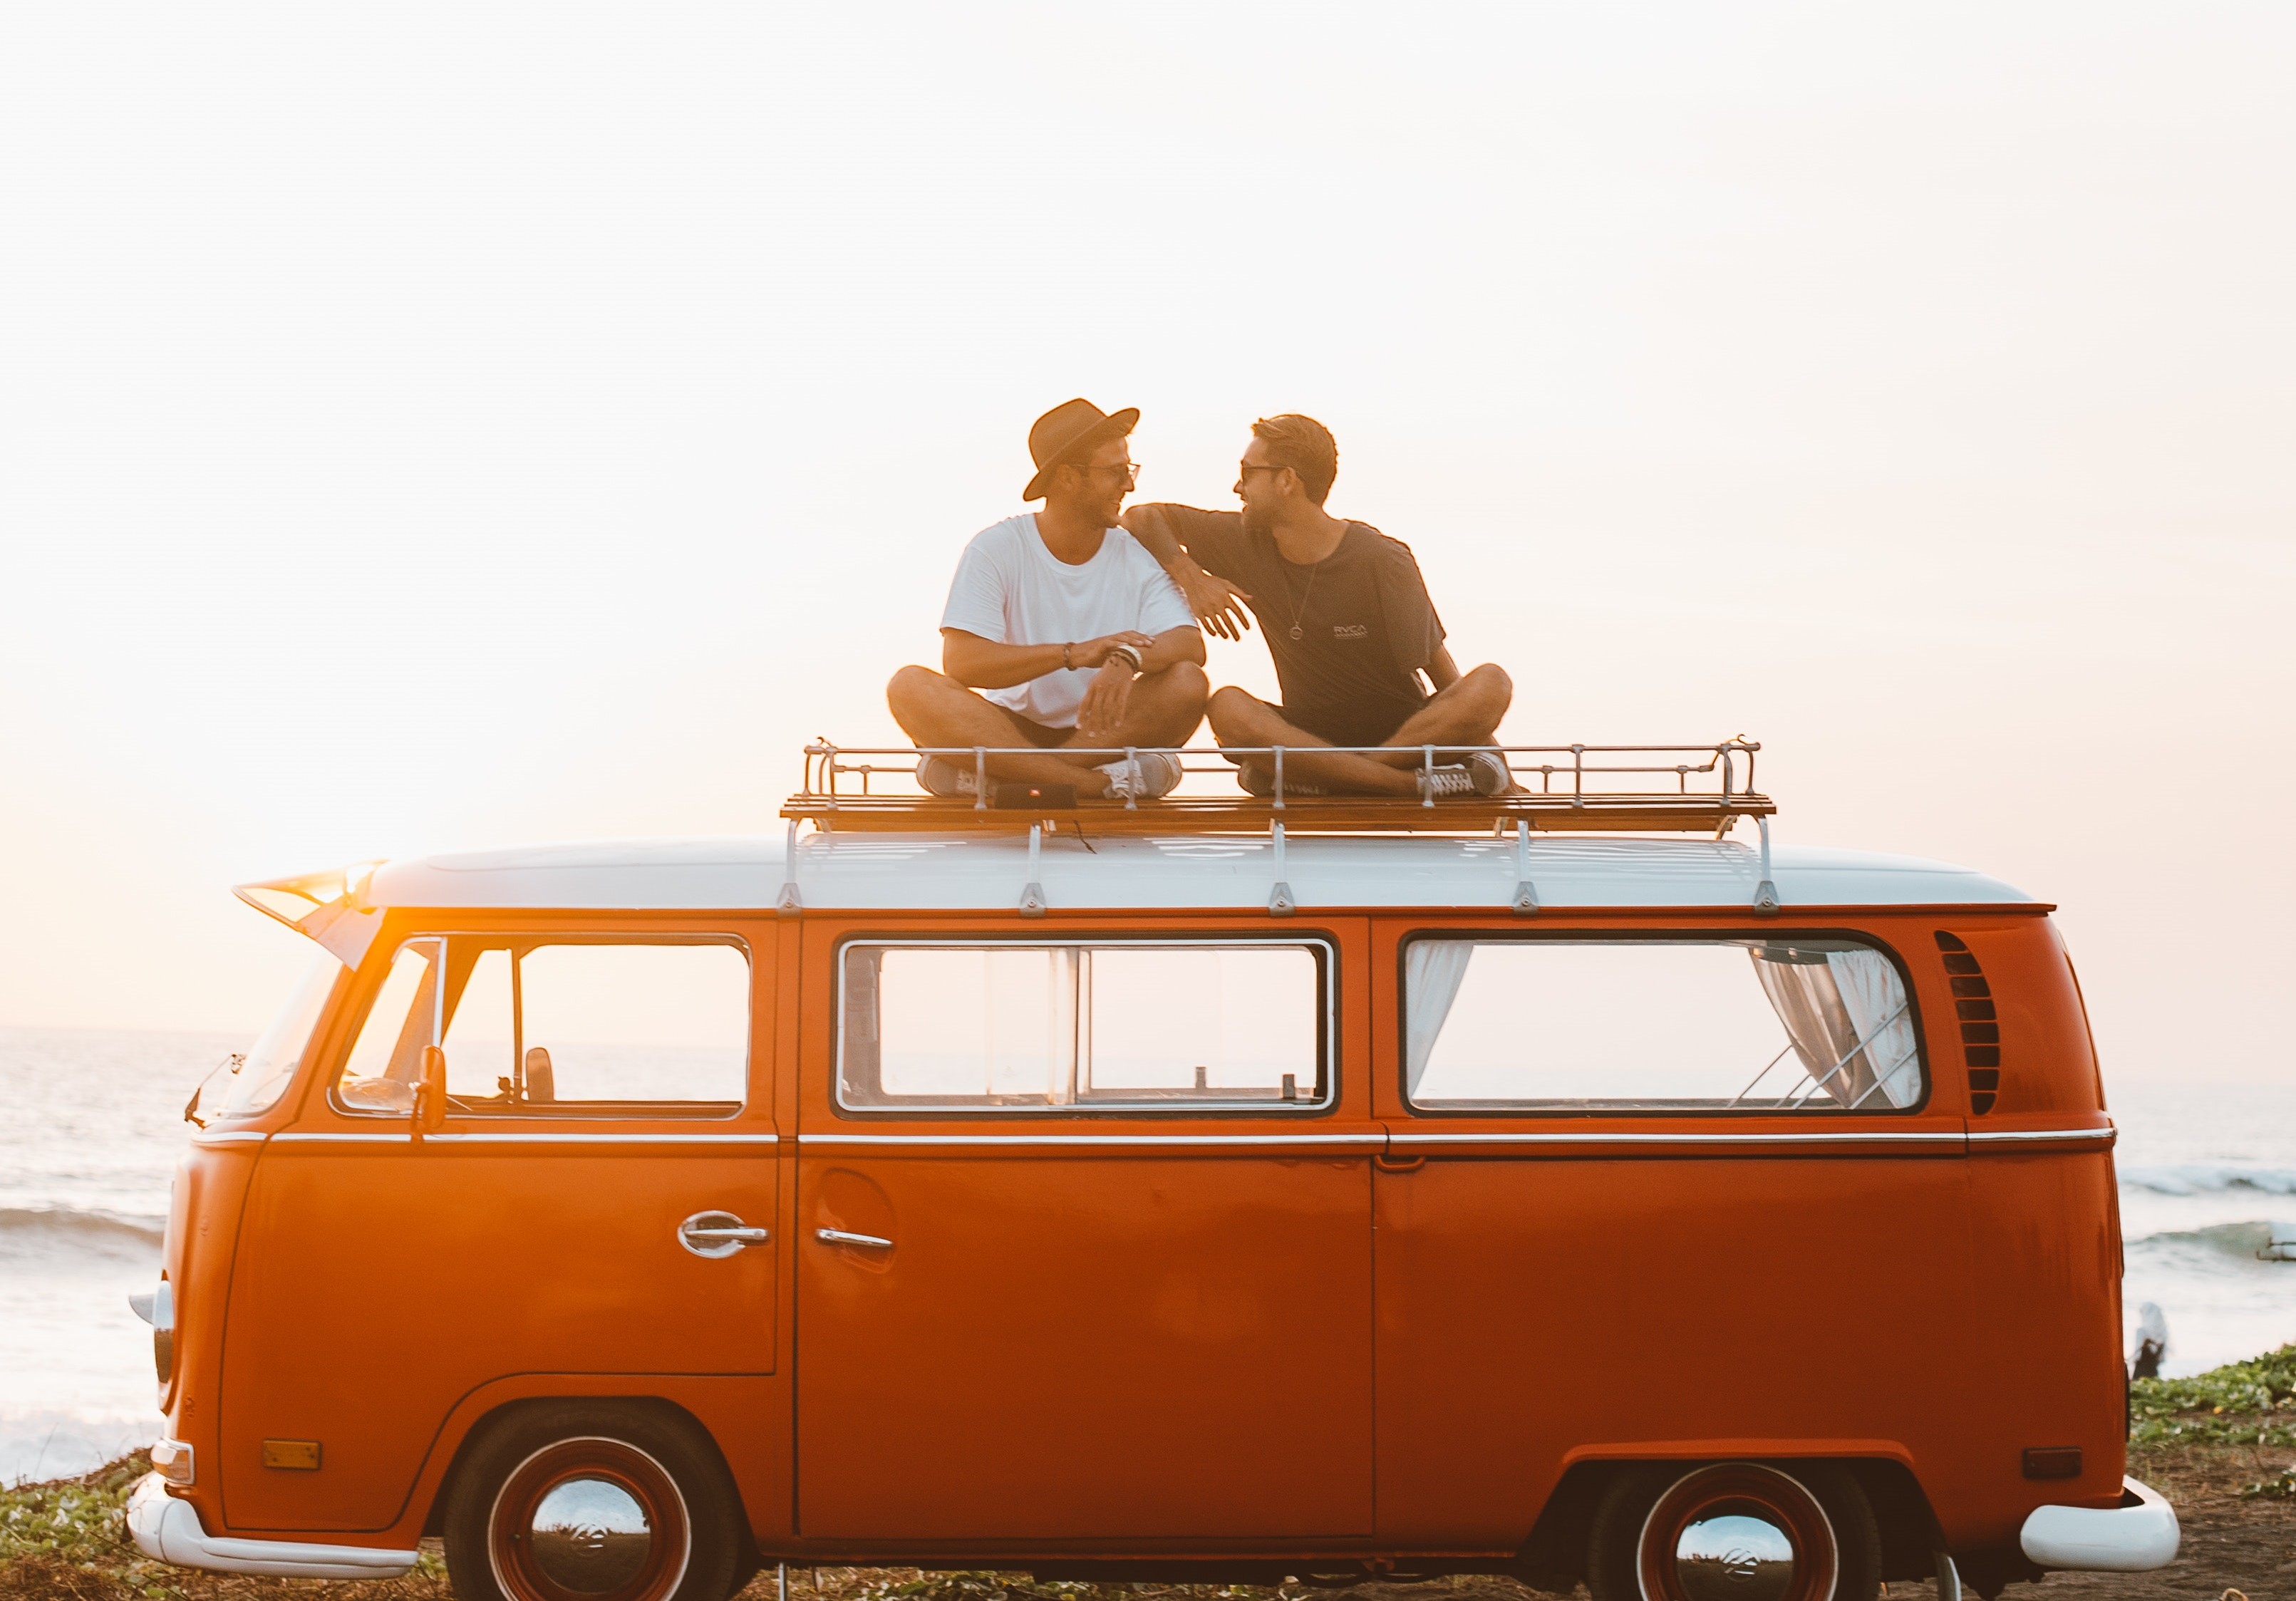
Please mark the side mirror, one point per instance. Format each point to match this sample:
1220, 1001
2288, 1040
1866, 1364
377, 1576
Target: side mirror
430, 1093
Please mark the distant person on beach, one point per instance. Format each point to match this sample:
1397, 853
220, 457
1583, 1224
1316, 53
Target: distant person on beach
2151, 1342
1345, 617
1061, 633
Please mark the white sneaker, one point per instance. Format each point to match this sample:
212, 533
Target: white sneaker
939, 775
1149, 776
1445, 783
1482, 773
1489, 772
1253, 779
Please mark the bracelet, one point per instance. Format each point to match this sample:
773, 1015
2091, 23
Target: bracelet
1065, 663
1127, 653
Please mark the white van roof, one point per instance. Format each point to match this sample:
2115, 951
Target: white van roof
954, 872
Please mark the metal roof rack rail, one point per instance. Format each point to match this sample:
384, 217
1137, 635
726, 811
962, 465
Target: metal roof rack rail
1558, 789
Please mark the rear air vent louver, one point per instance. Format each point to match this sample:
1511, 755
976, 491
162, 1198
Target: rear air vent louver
1980, 1027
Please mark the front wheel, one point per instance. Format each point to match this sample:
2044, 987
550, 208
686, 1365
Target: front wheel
1736, 1531
575, 1502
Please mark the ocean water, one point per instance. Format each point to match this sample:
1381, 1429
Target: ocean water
94, 1125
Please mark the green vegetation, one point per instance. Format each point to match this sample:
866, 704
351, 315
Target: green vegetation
69, 1537
2241, 1403
2282, 1488
71, 1520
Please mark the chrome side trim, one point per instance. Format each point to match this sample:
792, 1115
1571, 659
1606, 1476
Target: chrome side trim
170, 1531
1089, 1140
1940, 1137
2001, 1136
235, 1136
601, 1139
399, 1138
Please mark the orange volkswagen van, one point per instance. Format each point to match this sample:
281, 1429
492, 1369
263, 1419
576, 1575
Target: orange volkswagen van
1215, 1189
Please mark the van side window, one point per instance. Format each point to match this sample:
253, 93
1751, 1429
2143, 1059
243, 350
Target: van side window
536, 1027
1684, 1025
1224, 1025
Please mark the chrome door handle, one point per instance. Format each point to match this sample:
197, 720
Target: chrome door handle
715, 1234
839, 1236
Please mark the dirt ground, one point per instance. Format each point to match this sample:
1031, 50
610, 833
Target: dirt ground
2234, 1550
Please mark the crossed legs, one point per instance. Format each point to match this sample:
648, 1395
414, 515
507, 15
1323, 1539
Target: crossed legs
935, 711
1466, 712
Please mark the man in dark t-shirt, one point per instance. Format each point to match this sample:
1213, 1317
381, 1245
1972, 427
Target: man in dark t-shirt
1348, 621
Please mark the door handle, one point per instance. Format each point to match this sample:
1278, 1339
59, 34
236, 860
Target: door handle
715, 1234
840, 1236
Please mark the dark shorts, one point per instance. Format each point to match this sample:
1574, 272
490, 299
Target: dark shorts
1042, 735
1369, 726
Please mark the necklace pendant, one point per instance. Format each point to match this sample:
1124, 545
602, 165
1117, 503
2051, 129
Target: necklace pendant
1296, 634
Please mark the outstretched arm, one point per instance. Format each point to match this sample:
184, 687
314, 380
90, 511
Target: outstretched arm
1217, 604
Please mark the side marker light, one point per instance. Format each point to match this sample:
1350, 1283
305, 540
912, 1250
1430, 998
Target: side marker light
2052, 1462
171, 1459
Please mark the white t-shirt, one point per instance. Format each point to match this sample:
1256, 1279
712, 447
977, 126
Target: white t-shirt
1011, 590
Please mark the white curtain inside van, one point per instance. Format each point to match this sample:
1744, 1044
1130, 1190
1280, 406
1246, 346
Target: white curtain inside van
1845, 1012
1433, 972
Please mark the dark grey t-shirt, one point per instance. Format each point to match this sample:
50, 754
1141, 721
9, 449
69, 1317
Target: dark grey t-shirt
1364, 622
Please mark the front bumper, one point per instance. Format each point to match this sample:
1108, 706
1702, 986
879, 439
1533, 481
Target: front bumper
2136, 1536
168, 1530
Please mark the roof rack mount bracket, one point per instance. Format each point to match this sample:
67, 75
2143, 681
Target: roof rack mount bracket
1032, 893
1766, 893
790, 903
1525, 903
1280, 901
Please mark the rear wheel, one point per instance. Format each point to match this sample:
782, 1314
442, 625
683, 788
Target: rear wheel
1736, 1531
576, 1502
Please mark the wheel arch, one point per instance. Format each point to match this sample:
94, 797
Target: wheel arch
1553, 1554
506, 1412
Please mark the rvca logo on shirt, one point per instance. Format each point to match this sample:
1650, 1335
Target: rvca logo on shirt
1350, 630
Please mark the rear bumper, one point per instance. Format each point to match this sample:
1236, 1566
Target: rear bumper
2136, 1536
168, 1530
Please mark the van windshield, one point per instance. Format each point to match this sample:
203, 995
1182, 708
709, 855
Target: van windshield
261, 1077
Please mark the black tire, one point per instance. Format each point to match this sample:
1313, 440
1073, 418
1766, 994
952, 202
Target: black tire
657, 1517
1814, 1507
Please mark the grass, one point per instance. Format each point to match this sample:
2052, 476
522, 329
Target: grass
66, 1539
2241, 1403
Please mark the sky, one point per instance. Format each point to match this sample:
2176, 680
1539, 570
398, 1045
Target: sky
442, 427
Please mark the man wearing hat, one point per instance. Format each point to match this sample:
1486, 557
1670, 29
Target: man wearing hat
1062, 634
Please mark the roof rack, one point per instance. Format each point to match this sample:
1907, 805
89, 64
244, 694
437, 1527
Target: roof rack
1575, 788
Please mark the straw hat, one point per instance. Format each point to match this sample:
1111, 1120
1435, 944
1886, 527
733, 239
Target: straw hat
1068, 432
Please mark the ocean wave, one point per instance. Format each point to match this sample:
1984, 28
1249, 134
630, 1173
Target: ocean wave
2239, 1241
86, 1225
2210, 1178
